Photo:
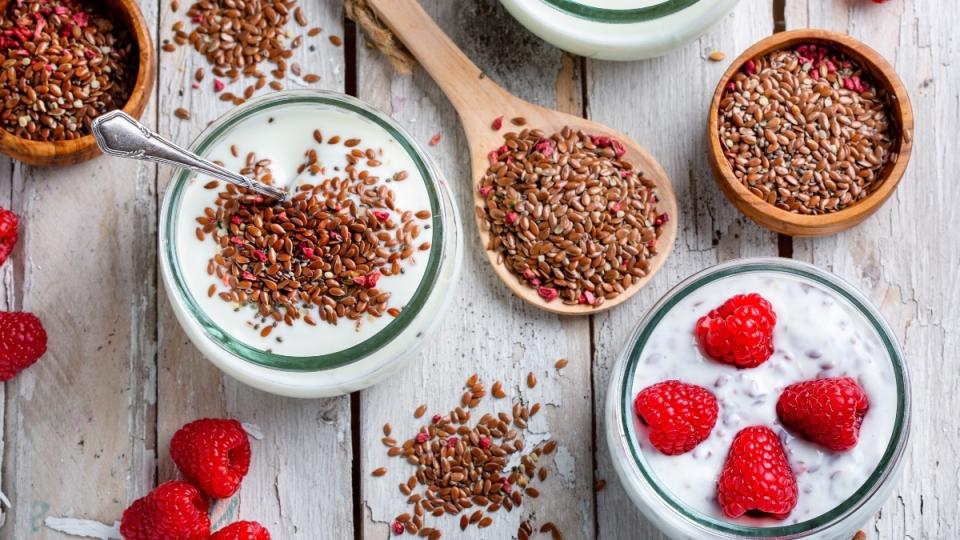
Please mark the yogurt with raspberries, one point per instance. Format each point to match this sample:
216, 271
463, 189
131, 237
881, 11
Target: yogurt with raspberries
818, 334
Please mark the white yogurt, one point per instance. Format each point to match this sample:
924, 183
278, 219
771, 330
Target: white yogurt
284, 135
818, 334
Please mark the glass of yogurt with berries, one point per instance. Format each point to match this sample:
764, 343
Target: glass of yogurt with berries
760, 398
332, 290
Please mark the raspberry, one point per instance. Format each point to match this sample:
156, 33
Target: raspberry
826, 411
398, 528
173, 511
756, 476
680, 415
242, 530
8, 233
213, 454
22, 342
740, 332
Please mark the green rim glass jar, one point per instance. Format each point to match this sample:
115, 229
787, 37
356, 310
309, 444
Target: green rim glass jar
362, 364
676, 518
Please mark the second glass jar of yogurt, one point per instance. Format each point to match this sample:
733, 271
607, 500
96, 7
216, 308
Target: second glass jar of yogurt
329, 293
824, 329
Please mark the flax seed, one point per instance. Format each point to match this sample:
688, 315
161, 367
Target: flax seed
379, 471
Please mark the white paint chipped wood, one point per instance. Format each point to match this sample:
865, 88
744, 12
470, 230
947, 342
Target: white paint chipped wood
84, 427
302, 465
488, 331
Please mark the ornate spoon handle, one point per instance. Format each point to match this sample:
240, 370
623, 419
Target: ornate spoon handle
120, 135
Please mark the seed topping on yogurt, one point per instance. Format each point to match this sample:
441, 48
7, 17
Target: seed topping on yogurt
326, 247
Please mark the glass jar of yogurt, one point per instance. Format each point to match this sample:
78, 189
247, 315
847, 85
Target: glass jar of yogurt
295, 358
618, 29
825, 328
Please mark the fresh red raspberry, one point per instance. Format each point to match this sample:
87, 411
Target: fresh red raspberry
680, 415
756, 476
826, 411
242, 530
8, 233
173, 511
740, 332
213, 454
22, 342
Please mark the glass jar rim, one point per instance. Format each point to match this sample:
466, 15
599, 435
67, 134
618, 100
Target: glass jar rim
220, 128
888, 461
653, 12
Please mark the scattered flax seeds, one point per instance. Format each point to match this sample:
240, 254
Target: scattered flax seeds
568, 216
238, 36
471, 471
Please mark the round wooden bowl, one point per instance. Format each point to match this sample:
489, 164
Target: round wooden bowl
77, 150
790, 223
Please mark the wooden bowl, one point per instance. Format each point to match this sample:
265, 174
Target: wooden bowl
77, 150
794, 224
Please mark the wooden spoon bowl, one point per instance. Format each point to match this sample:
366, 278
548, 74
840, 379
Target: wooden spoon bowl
790, 223
73, 151
479, 101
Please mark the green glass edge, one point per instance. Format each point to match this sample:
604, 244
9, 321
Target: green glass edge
763, 532
620, 16
346, 356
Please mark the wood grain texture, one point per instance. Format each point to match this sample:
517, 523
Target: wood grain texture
299, 484
662, 103
489, 331
79, 425
904, 256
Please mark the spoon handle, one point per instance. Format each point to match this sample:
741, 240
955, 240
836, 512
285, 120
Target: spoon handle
120, 135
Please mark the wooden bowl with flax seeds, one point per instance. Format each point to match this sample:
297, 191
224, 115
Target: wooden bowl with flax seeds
810, 132
62, 64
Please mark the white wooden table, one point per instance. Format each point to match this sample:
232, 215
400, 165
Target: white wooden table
87, 429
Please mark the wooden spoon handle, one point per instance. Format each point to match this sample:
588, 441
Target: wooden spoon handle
471, 92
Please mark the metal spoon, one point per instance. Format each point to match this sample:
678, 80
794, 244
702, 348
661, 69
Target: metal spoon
120, 135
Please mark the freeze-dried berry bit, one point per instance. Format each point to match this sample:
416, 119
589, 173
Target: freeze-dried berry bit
739, 332
213, 454
9, 225
497, 123
23, 341
828, 412
397, 528
756, 476
679, 416
242, 530
175, 510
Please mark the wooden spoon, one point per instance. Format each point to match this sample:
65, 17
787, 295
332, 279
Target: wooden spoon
479, 101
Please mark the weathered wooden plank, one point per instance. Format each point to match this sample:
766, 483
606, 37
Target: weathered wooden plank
903, 257
301, 469
80, 424
662, 104
488, 331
